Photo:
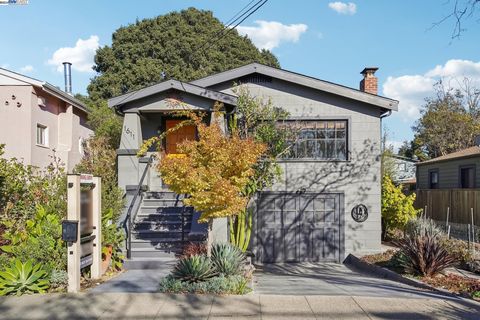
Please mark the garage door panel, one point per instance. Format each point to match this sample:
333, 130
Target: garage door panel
300, 227
316, 240
330, 244
269, 242
290, 244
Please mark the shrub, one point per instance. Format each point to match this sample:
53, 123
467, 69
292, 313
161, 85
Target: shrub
458, 249
425, 255
4, 260
397, 208
38, 240
23, 278
23, 188
227, 259
58, 278
193, 249
217, 285
194, 269
420, 227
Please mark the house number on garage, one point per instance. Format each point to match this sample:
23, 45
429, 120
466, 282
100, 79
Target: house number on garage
360, 213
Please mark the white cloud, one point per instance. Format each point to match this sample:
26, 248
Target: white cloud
411, 90
81, 56
27, 68
270, 34
343, 8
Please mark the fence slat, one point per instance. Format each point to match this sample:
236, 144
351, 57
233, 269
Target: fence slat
460, 202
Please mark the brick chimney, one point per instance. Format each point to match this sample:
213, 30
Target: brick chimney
369, 82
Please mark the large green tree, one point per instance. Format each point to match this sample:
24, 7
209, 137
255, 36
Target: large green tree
450, 122
176, 45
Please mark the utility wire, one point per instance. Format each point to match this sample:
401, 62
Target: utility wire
227, 26
231, 29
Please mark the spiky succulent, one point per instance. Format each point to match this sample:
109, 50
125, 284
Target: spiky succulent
23, 278
227, 259
194, 269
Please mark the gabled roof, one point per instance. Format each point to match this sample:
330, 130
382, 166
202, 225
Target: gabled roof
300, 79
465, 153
20, 79
172, 84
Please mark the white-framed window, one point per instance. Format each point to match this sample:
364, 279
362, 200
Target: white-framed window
42, 135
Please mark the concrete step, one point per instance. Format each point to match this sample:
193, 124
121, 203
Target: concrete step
165, 210
159, 235
163, 203
163, 195
156, 225
153, 253
150, 263
160, 218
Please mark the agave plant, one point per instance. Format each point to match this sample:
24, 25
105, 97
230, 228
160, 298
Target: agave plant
23, 278
227, 259
425, 255
194, 269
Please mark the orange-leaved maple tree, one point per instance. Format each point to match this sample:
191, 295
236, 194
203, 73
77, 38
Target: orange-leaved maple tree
213, 171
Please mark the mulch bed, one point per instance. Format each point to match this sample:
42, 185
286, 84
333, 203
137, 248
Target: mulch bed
456, 284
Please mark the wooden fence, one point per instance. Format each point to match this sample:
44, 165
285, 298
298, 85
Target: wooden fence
460, 202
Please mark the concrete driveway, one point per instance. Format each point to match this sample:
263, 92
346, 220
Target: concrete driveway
329, 279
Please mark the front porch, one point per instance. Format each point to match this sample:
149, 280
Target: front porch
156, 221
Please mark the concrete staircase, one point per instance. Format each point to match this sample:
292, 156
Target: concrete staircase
161, 228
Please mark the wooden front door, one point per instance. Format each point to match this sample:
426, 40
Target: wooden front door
178, 136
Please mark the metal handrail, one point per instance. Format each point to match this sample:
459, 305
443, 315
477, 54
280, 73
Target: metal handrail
128, 218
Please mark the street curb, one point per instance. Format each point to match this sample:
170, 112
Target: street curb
385, 273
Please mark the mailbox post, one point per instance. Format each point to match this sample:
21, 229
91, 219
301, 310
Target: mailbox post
83, 228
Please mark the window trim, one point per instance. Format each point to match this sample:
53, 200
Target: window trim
430, 171
467, 166
46, 138
348, 141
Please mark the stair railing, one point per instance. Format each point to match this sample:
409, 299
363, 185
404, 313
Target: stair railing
131, 213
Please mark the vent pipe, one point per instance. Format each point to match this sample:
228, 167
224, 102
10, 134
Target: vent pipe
67, 71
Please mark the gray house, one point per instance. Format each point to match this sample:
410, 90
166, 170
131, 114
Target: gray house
456, 170
327, 202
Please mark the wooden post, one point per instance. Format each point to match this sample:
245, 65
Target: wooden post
73, 213
96, 267
473, 234
448, 213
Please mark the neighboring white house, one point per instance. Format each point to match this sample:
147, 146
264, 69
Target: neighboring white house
38, 119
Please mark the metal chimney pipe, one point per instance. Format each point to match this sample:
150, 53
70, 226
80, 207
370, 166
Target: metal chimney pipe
67, 71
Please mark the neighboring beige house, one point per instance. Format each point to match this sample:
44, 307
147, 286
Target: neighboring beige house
37, 118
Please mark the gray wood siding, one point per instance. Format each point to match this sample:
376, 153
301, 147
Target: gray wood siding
448, 173
359, 178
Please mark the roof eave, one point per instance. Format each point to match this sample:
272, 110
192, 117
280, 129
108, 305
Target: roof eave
54, 91
300, 79
433, 161
168, 85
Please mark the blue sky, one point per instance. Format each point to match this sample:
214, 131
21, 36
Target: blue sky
330, 40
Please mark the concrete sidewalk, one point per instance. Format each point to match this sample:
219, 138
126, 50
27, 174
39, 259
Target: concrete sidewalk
253, 306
